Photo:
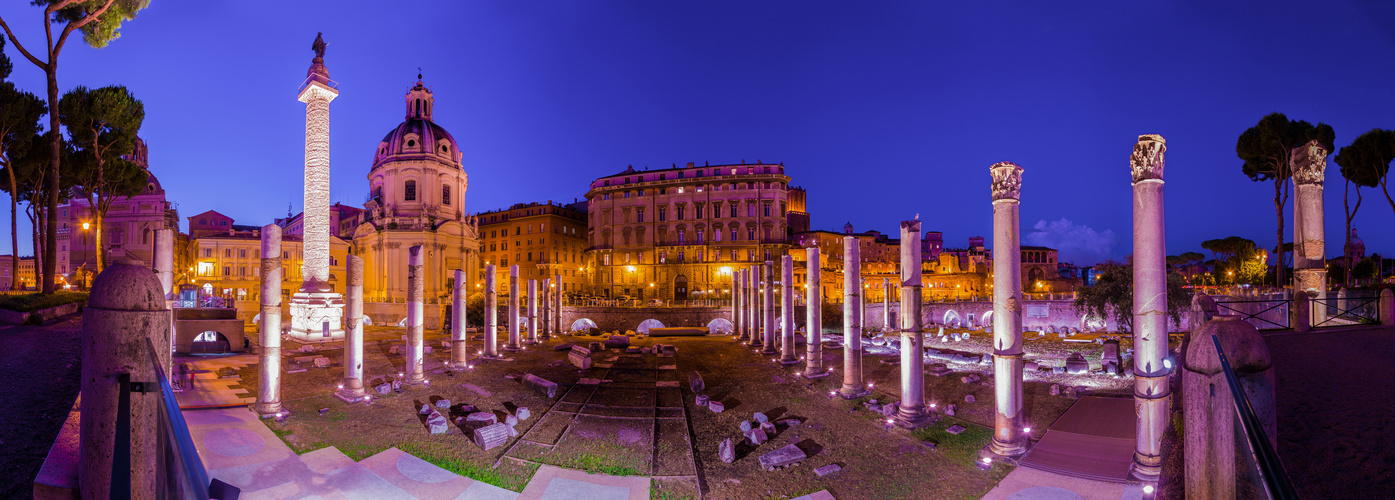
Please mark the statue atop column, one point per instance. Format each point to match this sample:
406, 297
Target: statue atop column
319, 47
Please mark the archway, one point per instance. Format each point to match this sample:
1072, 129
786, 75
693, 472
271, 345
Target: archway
719, 325
1034, 275
209, 342
988, 318
951, 318
647, 324
680, 288
257, 318
583, 324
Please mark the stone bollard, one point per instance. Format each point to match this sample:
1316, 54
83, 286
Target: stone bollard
1209, 409
1299, 317
269, 387
1341, 301
352, 385
1202, 310
125, 308
1387, 307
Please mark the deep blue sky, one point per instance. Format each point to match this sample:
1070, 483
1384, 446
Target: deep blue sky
881, 111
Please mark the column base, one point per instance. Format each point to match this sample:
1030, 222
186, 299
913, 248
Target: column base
1006, 451
993, 456
1147, 473
789, 361
350, 397
270, 410
913, 419
853, 392
815, 374
311, 310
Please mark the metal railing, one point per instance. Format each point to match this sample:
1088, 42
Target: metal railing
646, 303
180, 470
1264, 314
1263, 473
1339, 311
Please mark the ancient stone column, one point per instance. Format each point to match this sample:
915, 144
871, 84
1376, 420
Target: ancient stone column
544, 316
533, 312
1387, 307
787, 328
352, 386
459, 333
912, 412
416, 316
269, 385
886, 304
736, 323
752, 321
164, 268
123, 320
513, 344
557, 306
852, 320
1149, 306
1308, 163
1208, 406
317, 311
491, 312
768, 307
1009, 440
813, 323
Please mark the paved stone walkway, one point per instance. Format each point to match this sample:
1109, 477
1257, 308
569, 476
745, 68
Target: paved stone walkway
208, 389
1025, 483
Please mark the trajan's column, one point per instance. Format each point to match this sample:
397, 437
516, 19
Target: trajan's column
316, 310
1308, 163
1151, 391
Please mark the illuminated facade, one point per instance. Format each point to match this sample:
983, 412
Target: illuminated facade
677, 233
129, 225
545, 240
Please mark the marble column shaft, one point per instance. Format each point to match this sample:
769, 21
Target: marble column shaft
513, 310
788, 355
1308, 164
736, 303
416, 316
352, 389
768, 307
269, 385
459, 348
1151, 390
886, 305
1009, 440
852, 320
557, 305
491, 311
533, 311
813, 322
911, 413
544, 308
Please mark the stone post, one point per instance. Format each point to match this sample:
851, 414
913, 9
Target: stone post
1151, 391
886, 304
1308, 163
557, 305
459, 331
736, 324
491, 312
1387, 307
269, 386
416, 316
544, 306
852, 320
533, 312
1300, 313
1009, 440
768, 307
787, 328
123, 310
1341, 301
752, 321
1209, 408
164, 268
513, 344
352, 388
813, 323
912, 412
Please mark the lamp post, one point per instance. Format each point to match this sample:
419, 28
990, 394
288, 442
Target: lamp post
82, 275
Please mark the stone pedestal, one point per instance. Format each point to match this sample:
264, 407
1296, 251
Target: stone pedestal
459, 331
787, 327
813, 323
124, 319
911, 413
533, 312
491, 312
767, 285
852, 321
1151, 391
351, 387
269, 383
1009, 438
416, 316
1300, 313
1387, 307
1209, 407
514, 343
317, 315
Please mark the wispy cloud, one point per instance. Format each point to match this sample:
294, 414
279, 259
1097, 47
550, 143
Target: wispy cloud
1080, 244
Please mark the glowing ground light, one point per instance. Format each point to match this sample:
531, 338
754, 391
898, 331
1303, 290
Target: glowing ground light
1148, 489
1026, 429
1167, 363
987, 460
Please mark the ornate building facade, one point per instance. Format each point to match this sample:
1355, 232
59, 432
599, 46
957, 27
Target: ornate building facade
544, 240
677, 233
416, 196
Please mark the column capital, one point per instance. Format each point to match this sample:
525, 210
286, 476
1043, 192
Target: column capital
1147, 159
1308, 163
1007, 181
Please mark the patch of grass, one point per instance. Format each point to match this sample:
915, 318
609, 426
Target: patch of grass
656, 492
597, 464
496, 477
35, 301
963, 447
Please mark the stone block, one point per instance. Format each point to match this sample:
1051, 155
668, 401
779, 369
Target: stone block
716, 406
969, 398
397, 385
544, 387
523, 414
580, 357
426, 409
510, 420
727, 451
617, 341
695, 382
782, 457
426, 349
1055, 389
702, 400
889, 409
513, 431
1076, 364
383, 388
756, 436
491, 436
745, 426
827, 469
437, 423
562, 347
760, 418
949, 410
443, 403
482, 416
955, 429
321, 362
769, 428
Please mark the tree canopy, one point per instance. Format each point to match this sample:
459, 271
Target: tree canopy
1266, 149
1364, 163
1112, 296
102, 124
19, 124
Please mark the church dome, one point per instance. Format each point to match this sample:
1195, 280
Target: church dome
418, 137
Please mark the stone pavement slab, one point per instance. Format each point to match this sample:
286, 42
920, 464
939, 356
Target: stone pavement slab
555, 483
1026, 483
817, 495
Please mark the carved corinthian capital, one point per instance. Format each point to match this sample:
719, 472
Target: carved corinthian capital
1007, 181
1147, 159
1308, 163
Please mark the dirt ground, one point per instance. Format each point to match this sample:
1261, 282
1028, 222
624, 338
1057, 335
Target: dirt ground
41, 369
642, 419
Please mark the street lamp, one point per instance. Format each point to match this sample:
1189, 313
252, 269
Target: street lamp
82, 275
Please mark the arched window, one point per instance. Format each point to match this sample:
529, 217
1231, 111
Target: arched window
411, 191
445, 194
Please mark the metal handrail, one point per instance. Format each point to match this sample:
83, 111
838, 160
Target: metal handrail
1360, 301
1271, 469
1245, 315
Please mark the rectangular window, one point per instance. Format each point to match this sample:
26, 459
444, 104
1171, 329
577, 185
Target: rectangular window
641, 193
411, 191
733, 234
227, 253
678, 211
699, 237
227, 270
605, 196
697, 211
750, 209
663, 214
627, 194
716, 235
208, 252
733, 255
751, 234
445, 195
242, 252
680, 238
639, 214
680, 256
767, 210
733, 210
750, 255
